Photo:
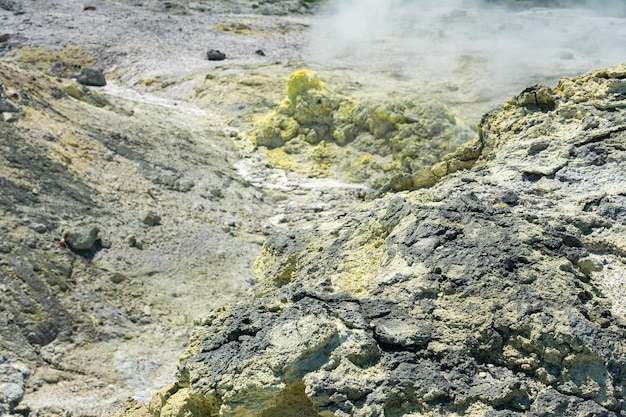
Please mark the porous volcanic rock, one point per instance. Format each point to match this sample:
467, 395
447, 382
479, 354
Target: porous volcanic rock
485, 294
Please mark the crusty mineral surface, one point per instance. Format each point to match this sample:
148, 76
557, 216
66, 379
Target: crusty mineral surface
401, 273
498, 291
358, 141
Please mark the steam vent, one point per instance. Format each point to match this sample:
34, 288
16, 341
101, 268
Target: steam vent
487, 294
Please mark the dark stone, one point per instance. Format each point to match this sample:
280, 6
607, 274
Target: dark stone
537, 97
402, 330
552, 403
471, 201
397, 209
428, 382
92, 77
613, 207
508, 197
215, 55
7, 106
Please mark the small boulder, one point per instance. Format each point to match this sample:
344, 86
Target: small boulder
9, 5
92, 77
81, 239
537, 96
39, 227
588, 265
117, 278
5, 37
5, 247
10, 117
151, 219
215, 55
133, 242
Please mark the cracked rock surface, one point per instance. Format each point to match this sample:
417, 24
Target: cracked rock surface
486, 294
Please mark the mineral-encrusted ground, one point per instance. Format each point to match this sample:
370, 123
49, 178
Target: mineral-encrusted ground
485, 294
354, 141
129, 210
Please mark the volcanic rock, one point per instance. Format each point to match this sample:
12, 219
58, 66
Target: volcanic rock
92, 77
215, 55
81, 238
13, 376
7, 106
481, 295
151, 218
9, 5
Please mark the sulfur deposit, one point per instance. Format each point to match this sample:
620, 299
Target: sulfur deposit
315, 128
496, 291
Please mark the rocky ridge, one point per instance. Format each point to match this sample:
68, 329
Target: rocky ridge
498, 291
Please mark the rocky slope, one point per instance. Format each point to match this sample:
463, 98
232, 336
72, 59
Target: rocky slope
124, 212
496, 292
157, 200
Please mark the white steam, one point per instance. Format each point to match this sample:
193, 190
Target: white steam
476, 45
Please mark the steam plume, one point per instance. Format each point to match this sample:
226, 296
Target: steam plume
484, 45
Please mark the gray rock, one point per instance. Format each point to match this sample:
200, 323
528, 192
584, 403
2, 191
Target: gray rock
117, 278
11, 393
39, 227
215, 55
588, 265
92, 77
81, 238
151, 218
7, 107
9, 5
31, 242
401, 330
13, 376
5, 247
